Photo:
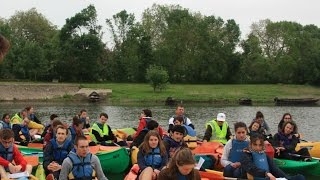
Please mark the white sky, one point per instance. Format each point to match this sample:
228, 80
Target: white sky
244, 12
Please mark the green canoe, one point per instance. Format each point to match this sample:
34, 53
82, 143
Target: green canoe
116, 161
306, 168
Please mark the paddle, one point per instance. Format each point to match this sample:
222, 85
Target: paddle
298, 155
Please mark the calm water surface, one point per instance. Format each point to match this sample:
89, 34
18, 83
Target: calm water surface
307, 118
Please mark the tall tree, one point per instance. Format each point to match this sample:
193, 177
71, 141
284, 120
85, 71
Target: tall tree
81, 47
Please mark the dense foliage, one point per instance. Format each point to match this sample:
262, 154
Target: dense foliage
191, 47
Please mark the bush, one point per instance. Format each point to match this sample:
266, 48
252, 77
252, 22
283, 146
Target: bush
158, 77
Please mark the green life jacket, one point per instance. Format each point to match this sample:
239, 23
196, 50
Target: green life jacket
102, 132
218, 134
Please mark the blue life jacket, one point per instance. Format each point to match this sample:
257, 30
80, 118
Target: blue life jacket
6, 153
73, 134
25, 131
5, 125
236, 150
81, 170
60, 153
260, 160
153, 158
189, 130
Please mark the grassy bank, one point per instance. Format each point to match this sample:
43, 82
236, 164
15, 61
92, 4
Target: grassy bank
125, 92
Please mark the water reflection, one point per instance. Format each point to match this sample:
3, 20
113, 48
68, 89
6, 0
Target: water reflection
307, 118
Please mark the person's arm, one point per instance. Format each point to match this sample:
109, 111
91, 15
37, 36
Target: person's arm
225, 155
276, 141
141, 162
189, 123
47, 156
142, 125
111, 136
97, 167
4, 162
266, 126
65, 169
18, 158
207, 134
229, 134
250, 167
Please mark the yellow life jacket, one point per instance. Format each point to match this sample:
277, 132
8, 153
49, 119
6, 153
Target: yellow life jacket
218, 134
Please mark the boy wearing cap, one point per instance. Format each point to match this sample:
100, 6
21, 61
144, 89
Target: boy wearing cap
217, 130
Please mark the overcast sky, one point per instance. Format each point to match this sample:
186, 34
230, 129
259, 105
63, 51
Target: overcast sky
244, 12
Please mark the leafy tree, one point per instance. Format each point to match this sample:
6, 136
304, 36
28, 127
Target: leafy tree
81, 47
158, 77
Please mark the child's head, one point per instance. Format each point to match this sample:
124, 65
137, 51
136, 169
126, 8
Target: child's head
255, 126
259, 117
257, 142
289, 127
240, 129
178, 120
6, 118
151, 125
182, 161
151, 141
103, 118
177, 133
286, 117
146, 113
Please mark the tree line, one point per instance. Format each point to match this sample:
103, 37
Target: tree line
190, 47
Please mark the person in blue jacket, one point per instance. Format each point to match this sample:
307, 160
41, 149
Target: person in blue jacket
152, 156
56, 151
256, 162
232, 152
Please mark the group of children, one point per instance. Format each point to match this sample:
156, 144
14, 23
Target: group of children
157, 148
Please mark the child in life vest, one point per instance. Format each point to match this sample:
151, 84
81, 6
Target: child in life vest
152, 156
256, 162
233, 150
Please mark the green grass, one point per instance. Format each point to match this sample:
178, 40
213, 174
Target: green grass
126, 92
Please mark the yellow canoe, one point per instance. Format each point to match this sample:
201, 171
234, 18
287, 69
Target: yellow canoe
314, 148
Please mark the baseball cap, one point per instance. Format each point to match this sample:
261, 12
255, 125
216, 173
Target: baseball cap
221, 117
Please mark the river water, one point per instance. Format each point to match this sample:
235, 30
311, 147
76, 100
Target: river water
307, 118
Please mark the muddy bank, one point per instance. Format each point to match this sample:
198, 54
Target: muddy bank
36, 91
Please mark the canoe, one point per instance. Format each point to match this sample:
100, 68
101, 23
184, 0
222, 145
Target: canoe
115, 161
211, 175
296, 101
286, 164
314, 148
305, 168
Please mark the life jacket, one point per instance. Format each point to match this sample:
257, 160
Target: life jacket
18, 119
173, 145
60, 153
5, 125
102, 132
218, 134
73, 133
81, 170
25, 132
260, 160
32, 117
189, 130
6, 153
153, 158
237, 150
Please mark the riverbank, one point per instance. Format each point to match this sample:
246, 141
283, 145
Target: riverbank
126, 93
